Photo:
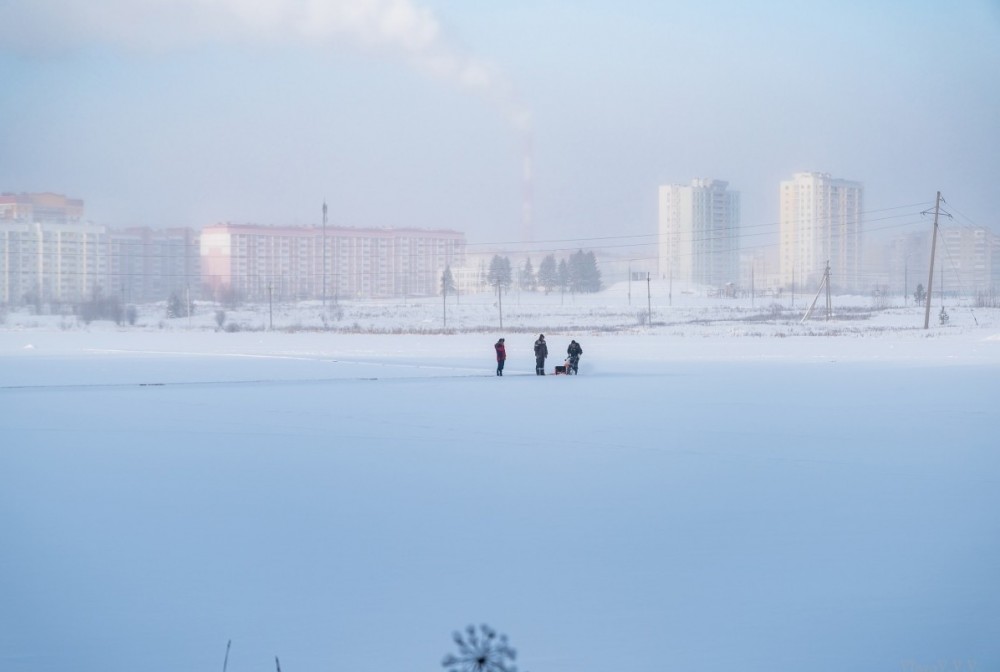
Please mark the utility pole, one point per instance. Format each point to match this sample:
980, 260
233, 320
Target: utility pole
225, 663
630, 283
649, 300
270, 308
930, 274
826, 281
324, 253
906, 281
793, 286
500, 302
751, 287
670, 287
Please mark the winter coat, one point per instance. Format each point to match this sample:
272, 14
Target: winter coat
501, 351
574, 349
541, 349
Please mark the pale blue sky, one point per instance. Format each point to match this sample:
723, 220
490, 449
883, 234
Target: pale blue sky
247, 114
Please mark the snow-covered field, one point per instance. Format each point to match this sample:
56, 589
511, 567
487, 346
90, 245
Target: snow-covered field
726, 490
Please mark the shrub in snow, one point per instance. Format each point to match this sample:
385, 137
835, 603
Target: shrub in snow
482, 651
880, 297
100, 308
176, 307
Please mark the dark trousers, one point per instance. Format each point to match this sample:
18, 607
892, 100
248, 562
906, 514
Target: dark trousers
539, 366
500, 367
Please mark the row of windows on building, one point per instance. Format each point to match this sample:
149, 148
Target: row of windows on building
71, 261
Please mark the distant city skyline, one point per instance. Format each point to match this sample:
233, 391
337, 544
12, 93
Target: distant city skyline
410, 113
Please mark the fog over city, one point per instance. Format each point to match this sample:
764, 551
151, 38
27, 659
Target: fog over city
547, 368
407, 113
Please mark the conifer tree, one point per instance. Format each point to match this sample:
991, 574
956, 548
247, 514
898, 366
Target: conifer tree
528, 281
548, 274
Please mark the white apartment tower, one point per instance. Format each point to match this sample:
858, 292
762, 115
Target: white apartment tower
699, 232
820, 223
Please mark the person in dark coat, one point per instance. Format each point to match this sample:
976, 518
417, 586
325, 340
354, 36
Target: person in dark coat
501, 356
541, 352
573, 361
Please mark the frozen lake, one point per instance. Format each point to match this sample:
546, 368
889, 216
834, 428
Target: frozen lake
346, 502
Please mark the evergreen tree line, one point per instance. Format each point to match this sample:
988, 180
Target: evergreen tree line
578, 274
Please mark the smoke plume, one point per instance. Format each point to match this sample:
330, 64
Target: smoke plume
401, 27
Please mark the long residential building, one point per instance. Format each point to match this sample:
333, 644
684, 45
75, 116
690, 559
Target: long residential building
968, 261
148, 264
820, 222
244, 261
699, 232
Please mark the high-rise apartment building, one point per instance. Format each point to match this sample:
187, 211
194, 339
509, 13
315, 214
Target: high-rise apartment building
45, 207
47, 253
43, 262
699, 232
820, 223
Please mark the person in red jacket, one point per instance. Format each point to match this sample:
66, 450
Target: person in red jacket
501, 356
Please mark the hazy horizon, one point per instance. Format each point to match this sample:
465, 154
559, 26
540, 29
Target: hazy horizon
406, 113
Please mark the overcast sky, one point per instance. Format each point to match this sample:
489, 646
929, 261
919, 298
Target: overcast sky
418, 112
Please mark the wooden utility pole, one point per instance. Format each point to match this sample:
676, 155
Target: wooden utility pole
826, 280
823, 283
670, 288
649, 300
930, 274
324, 254
793, 286
906, 278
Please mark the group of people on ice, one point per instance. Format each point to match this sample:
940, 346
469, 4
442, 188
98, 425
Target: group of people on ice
571, 365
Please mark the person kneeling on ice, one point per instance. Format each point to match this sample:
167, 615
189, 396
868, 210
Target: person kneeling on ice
501, 356
573, 360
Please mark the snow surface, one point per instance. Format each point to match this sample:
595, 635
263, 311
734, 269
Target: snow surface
709, 494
